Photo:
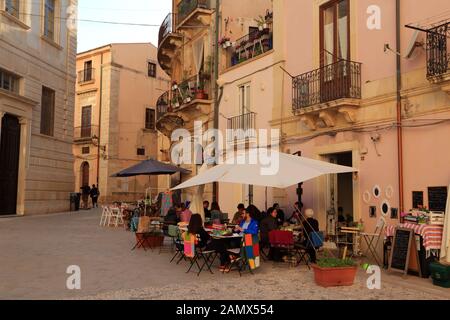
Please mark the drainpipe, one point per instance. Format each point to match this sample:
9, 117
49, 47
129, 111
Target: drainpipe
100, 120
399, 110
216, 87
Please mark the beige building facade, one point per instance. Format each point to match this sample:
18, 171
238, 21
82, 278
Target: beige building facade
37, 82
115, 117
330, 85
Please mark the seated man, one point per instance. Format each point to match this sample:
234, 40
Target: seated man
238, 216
280, 214
310, 225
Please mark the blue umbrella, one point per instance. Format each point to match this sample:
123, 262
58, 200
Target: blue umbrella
150, 168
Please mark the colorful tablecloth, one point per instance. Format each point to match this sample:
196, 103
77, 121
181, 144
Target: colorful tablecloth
431, 234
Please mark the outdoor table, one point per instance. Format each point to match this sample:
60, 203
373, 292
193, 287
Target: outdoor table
233, 236
431, 234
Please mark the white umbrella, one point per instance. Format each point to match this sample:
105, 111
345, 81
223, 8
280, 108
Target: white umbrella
197, 199
282, 171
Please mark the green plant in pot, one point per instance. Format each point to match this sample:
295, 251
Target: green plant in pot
332, 272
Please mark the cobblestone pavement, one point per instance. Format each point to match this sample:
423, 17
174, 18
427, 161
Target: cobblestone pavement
36, 251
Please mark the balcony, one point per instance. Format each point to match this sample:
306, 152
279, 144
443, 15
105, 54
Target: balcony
166, 120
193, 13
252, 45
192, 97
85, 134
242, 128
438, 55
86, 76
323, 93
168, 42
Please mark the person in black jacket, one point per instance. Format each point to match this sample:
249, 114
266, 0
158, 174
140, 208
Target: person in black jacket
280, 214
310, 225
268, 224
205, 242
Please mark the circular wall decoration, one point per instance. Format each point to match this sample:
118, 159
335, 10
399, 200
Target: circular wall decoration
385, 208
389, 192
376, 191
367, 197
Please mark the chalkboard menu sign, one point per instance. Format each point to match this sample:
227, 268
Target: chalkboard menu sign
417, 197
437, 198
401, 250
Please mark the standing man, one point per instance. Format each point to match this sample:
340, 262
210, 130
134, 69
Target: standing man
94, 193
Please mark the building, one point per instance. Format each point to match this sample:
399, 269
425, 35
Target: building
37, 82
115, 117
340, 89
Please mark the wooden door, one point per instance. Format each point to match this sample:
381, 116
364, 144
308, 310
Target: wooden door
85, 174
9, 164
335, 50
86, 116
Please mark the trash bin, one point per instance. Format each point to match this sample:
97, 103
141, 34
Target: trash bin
75, 201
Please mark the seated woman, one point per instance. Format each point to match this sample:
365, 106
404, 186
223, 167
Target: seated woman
186, 214
310, 225
205, 242
268, 224
216, 213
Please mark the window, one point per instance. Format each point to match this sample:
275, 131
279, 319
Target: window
47, 111
49, 19
9, 81
141, 151
85, 150
86, 117
152, 69
335, 27
245, 98
12, 7
150, 119
87, 72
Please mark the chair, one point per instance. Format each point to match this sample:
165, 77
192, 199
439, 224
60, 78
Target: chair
283, 240
116, 214
315, 241
171, 233
106, 213
369, 238
179, 245
193, 253
247, 256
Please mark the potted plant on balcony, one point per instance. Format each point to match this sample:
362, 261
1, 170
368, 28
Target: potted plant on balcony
174, 85
175, 102
332, 272
261, 22
225, 42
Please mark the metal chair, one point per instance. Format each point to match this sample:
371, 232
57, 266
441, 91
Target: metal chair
194, 254
369, 238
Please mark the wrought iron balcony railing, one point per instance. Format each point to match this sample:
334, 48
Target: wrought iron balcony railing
166, 27
163, 105
86, 75
242, 127
438, 50
86, 132
194, 88
338, 80
186, 7
252, 45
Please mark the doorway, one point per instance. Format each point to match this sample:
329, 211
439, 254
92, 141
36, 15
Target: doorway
84, 174
9, 164
340, 194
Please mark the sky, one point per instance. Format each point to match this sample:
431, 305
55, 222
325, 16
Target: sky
92, 35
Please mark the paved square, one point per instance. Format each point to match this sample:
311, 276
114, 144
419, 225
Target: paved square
35, 252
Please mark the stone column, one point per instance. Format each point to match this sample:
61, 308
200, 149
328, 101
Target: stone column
23, 156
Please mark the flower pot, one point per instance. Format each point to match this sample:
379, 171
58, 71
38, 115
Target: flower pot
177, 104
261, 28
228, 44
200, 95
334, 277
187, 100
174, 87
264, 26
